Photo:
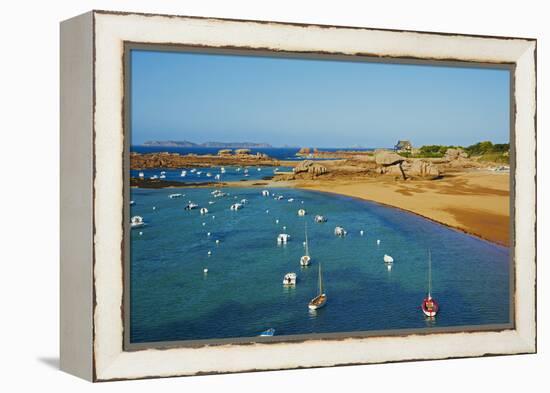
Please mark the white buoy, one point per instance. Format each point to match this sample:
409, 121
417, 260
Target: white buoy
141, 233
284, 227
276, 221
205, 270
304, 244
203, 224
361, 232
378, 242
213, 217
267, 211
154, 208
217, 241
209, 252
208, 234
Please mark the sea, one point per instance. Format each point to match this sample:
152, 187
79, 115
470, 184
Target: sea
280, 153
242, 293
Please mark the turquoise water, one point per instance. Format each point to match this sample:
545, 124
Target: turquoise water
200, 175
242, 293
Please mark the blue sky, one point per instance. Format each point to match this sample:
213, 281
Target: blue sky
318, 103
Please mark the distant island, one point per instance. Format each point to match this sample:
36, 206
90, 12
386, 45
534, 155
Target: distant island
235, 145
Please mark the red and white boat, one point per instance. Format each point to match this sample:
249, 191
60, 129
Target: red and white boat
430, 307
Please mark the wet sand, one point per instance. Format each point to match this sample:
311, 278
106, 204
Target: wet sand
477, 203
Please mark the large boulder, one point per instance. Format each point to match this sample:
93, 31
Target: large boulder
455, 153
387, 158
420, 168
242, 152
310, 167
304, 150
225, 152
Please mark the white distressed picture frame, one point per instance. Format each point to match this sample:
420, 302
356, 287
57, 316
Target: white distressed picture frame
92, 153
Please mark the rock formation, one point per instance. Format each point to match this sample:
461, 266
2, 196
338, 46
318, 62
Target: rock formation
386, 157
310, 167
225, 152
426, 170
455, 153
242, 152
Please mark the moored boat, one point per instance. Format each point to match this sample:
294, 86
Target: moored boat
305, 260
283, 238
289, 279
136, 222
321, 299
191, 206
268, 333
340, 231
429, 306
204, 210
302, 212
319, 219
236, 206
172, 196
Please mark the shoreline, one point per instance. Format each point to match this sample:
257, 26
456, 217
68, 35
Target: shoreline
474, 203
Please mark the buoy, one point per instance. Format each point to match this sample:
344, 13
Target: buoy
276, 221
304, 244
284, 227
209, 252
361, 232
203, 224
217, 241
141, 233
205, 270
267, 211
208, 234
378, 241
213, 217
154, 208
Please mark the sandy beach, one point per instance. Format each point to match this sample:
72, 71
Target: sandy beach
474, 202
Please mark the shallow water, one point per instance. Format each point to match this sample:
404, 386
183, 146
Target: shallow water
242, 293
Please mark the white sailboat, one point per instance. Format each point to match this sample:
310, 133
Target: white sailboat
321, 299
306, 259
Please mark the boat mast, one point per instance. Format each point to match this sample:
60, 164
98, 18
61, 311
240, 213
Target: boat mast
320, 281
307, 249
429, 274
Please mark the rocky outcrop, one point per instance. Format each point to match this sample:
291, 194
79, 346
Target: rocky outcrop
304, 151
174, 160
242, 152
310, 167
386, 158
420, 168
455, 153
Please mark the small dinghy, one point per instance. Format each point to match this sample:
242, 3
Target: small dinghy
141, 174
283, 238
183, 173
388, 259
154, 177
162, 177
244, 201
320, 219
291, 199
340, 231
236, 206
321, 299
132, 203
136, 222
173, 196
191, 206
204, 210
265, 193
208, 174
217, 177
163, 172
279, 197
268, 333
193, 170
289, 279
302, 212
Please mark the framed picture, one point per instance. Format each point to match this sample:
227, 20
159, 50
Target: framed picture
246, 195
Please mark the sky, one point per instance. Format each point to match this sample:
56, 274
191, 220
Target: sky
316, 103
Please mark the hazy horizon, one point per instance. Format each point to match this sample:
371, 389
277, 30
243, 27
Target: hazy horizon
201, 98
